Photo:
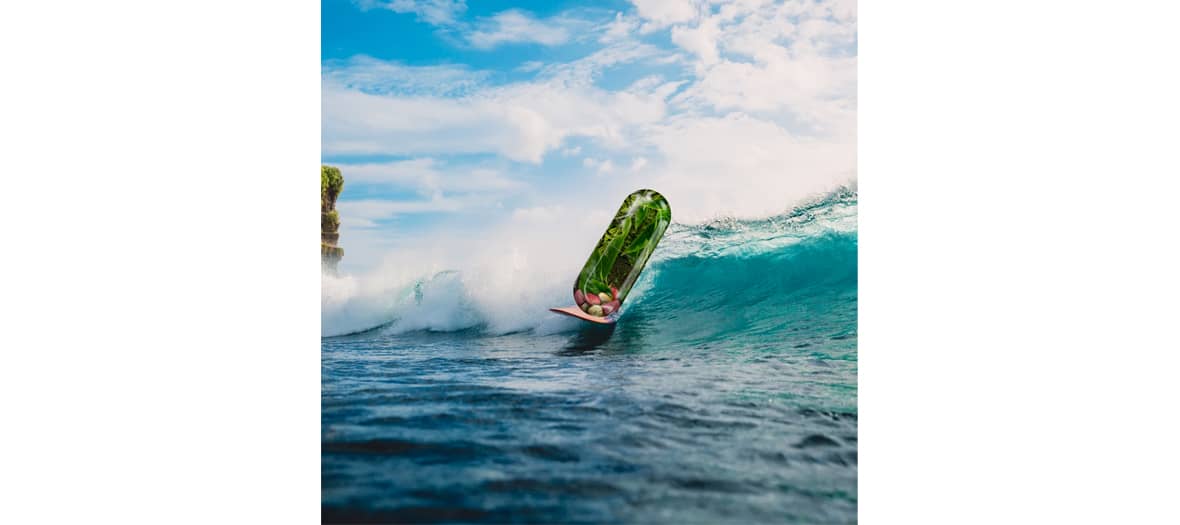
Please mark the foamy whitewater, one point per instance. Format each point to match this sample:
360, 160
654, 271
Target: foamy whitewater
727, 392
504, 283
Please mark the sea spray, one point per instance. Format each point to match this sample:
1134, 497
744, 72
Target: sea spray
501, 281
504, 282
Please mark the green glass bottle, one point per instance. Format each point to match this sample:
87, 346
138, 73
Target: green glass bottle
621, 253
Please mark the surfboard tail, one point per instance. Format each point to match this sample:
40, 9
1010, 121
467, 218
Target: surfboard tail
574, 311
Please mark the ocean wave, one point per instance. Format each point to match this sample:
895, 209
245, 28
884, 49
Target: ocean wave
726, 274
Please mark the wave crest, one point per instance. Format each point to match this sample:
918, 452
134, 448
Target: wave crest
725, 266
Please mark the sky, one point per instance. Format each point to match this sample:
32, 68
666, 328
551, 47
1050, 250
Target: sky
448, 118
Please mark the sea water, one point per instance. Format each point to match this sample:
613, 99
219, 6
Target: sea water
726, 393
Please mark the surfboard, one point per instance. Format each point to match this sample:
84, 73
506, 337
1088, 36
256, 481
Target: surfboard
574, 311
619, 257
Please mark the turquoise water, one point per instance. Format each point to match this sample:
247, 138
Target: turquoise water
726, 393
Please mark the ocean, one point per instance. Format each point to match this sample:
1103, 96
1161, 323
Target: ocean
727, 392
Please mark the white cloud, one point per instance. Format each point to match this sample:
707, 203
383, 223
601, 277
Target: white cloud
701, 40
661, 13
638, 163
585, 70
436, 12
618, 29
600, 166
530, 66
793, 63
505, 27
444, 188
365, 213
374, 76
742, 166
559, 217
819, 94
428, 176
521, 121
515, 26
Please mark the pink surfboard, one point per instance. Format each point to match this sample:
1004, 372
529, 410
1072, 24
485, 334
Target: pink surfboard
574, 311
619, 257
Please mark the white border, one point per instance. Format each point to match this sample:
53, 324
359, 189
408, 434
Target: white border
1018, 262
161, 352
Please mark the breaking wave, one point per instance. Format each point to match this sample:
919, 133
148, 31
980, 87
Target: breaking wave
765, 273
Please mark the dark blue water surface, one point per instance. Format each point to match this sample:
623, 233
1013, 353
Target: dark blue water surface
740, 408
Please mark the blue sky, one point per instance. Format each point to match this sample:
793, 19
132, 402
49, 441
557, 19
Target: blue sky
447, 117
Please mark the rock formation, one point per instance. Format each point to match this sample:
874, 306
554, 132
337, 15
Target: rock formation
331, 183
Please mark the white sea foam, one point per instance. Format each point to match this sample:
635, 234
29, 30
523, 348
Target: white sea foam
504, 279
499, 281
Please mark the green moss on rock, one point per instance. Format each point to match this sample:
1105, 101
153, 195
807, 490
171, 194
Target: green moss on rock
329, 222
331, 184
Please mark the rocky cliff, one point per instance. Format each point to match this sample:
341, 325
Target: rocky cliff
331, 183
